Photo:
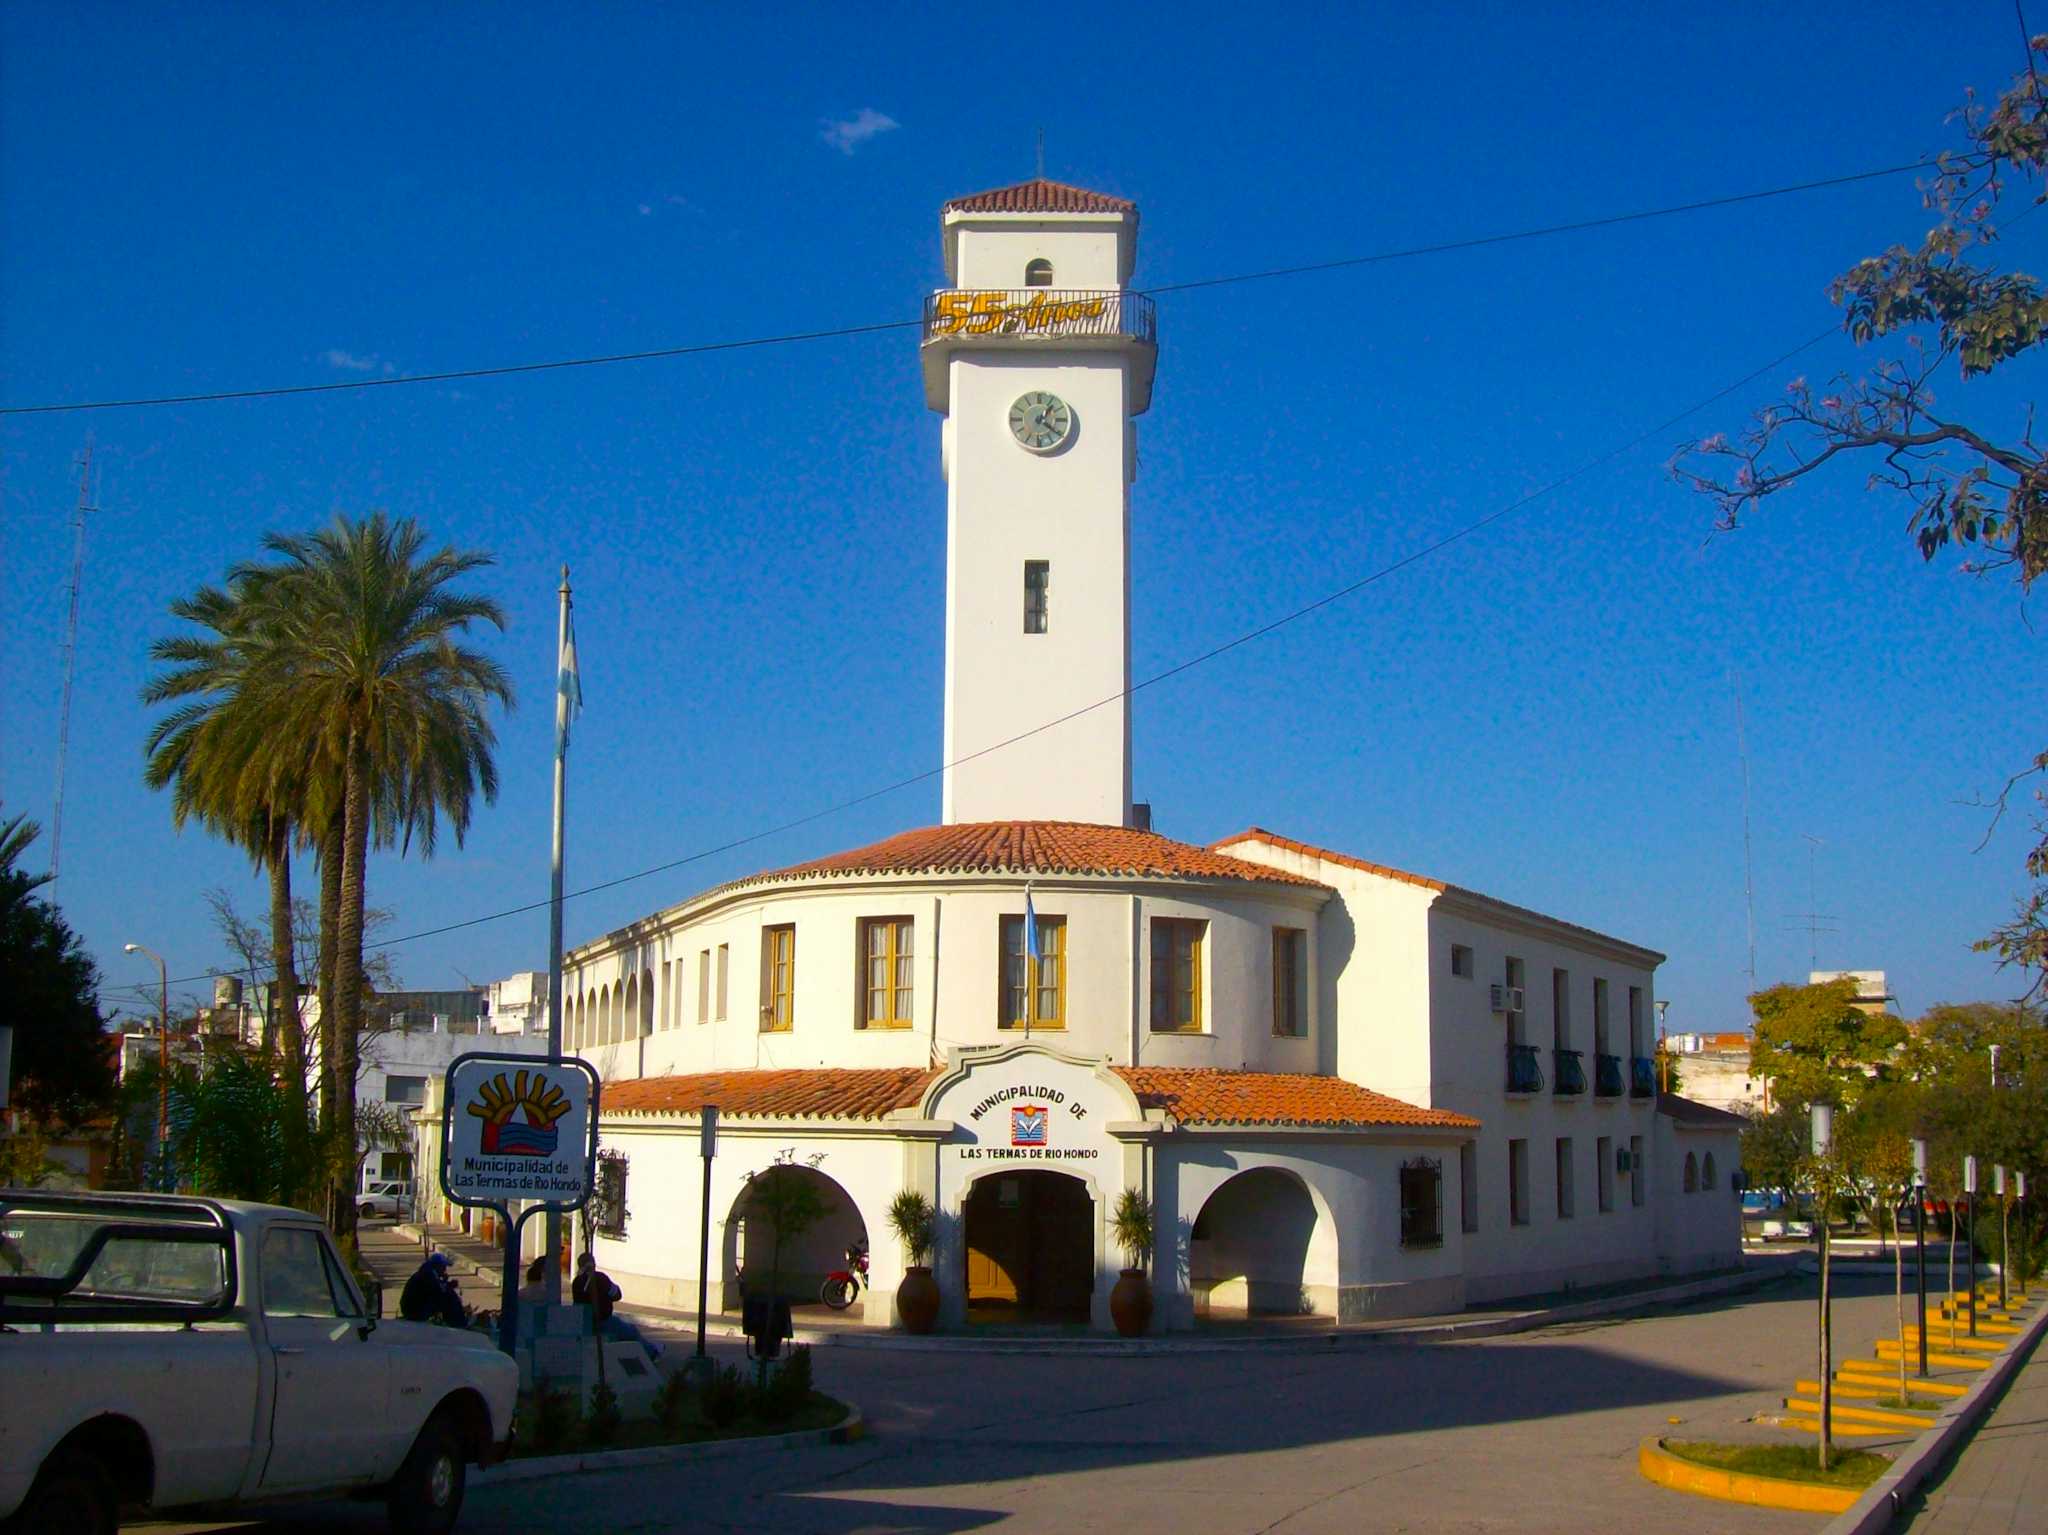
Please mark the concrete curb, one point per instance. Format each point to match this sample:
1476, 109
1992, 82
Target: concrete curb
1661, 1466
535, 1467
1886, 1497
1320, 1341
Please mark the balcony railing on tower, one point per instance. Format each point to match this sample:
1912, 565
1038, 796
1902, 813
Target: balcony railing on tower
1084, 318
1642, 1077
1568, 1073
1607, 1081
1525, 1072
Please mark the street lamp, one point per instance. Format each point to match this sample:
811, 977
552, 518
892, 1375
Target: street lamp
1970, 1198
2004, 1233
1920, 1240
163, 1060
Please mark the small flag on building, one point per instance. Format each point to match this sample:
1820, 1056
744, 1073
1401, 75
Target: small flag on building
1030, 958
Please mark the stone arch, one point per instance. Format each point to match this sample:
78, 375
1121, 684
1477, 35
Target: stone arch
1692, 1173
1264, 1243
611, 1012
749, 1260
646, 1000
629, 1010
1038, 273
1707, 1171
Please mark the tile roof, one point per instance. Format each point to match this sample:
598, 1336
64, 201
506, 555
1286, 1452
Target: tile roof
810, 1093
1699, 1116
1308, 850
1196, 1095
1190, 1095
1039, 196
1037, 847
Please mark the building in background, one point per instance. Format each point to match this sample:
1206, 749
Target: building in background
1714, 1069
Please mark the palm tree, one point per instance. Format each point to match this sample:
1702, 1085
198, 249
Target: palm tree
367, 676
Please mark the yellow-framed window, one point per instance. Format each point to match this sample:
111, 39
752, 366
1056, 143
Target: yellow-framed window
778, 978
1034, 1000
1177, 975
888, 972
1290, 981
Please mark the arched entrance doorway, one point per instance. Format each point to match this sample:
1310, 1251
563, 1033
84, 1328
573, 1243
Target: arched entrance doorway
1259, 1247
789, 1227
1030, 1248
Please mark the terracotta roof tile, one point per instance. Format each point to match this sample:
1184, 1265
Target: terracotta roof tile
810, 1093
1037, 847
1308, 850
1197, 1095
1191, 1095
1039, 196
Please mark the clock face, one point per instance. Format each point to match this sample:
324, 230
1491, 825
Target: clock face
1041, 422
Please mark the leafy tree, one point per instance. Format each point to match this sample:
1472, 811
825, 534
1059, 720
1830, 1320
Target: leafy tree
1773, 1145
1813, 1044
1975, 488
62, 1070
784, 1197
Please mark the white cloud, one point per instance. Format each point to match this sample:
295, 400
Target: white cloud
337, 358
847, 134
645, 209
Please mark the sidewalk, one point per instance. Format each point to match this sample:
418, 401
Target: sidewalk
2000, 1481
817, 1325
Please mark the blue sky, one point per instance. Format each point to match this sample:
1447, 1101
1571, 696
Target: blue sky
207, 197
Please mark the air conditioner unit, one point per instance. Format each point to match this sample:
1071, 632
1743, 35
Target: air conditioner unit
1498, 997
1508, 999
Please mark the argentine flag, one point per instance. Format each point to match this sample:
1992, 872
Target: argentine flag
1031, 934
568, 683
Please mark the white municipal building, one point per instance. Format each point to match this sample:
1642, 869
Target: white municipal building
1349, 1091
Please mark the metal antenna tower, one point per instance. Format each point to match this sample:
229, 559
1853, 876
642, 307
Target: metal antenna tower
70, 654
1748, 874
1815, 922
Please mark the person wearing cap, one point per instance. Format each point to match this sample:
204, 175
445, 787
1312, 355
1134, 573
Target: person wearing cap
430, 1295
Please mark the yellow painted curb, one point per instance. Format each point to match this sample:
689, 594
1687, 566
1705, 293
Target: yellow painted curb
1947, 1361
1857, 1383
1667, 1470
1896, 1417
1979, 1345
1840, 1430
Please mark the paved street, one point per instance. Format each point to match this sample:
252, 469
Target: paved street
1536, 1432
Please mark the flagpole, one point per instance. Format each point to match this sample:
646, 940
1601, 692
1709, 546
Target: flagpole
554, 1217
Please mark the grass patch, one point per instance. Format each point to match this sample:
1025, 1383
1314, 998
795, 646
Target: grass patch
817, 1411
1911, 1404
1792, 1462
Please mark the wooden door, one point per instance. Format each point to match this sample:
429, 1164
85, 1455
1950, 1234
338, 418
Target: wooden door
996, 1240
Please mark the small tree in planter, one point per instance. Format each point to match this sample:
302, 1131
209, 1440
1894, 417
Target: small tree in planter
915, 1222
1130, 1302
789, 1202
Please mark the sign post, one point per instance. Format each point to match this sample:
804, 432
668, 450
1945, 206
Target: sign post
707, 1127
515, 1127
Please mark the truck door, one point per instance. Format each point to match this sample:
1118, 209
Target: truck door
327, 1419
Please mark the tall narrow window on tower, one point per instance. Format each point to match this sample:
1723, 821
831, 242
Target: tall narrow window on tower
1037, 585
1038, 273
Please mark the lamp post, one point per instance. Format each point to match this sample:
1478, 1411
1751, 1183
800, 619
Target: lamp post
1970, 1199
163, 1061
1920, 1241
2004, 1233
1823, 1147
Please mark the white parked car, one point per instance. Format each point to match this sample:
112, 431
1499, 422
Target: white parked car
161, 1351
385, 1197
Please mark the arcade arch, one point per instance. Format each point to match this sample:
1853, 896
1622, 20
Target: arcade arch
1029, 1247
1261, 1245
751, 1262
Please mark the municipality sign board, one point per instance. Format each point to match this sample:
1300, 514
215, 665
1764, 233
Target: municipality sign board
515, 1127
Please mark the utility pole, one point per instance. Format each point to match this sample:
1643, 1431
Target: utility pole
70, 655
568, 699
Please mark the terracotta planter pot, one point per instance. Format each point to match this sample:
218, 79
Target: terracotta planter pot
917, 1300
1130, 1303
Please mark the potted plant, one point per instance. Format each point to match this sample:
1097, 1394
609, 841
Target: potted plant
1130, 1301
913, 1220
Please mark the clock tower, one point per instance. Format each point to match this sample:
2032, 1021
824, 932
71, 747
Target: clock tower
1040, 359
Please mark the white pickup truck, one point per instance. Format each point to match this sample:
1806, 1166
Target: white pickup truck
159, 1351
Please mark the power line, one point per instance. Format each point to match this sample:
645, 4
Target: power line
1458, 535
790, 338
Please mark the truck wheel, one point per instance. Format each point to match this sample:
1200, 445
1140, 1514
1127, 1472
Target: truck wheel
367, 1211
72, 1496
426, 1495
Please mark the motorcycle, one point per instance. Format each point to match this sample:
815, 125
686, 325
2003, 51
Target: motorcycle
842, 1285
